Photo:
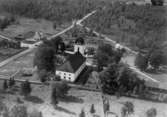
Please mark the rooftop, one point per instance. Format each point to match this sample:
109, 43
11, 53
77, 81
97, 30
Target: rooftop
72, 63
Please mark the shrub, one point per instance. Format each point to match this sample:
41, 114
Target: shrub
19, 111
54, 96
151, 112
141, 62
11, 82
26, 88
36, 113
82, 114
157, 2
92, 109
5, 85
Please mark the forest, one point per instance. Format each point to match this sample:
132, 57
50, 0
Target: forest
59, 11
140, 27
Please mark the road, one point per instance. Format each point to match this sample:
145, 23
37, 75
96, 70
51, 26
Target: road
146, 76
38, 43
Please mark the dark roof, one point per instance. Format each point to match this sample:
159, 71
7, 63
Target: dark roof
73, 62
80, 41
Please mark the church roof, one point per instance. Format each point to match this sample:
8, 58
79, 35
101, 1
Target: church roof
73, 63
80, 41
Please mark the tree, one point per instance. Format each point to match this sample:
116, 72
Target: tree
157, 2
141, 62
11, 82
128, 108
82, 114
151, 112
123, 111
5, 85
44, 59
42, 75
156, 59
19, 111
62, 89
55, 25
35, 113
54, 97
3, 108
26, 88
92, 109
104, 55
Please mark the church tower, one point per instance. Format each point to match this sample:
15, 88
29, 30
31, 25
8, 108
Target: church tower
80, 46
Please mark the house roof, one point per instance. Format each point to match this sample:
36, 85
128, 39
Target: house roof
73, 63
80, 41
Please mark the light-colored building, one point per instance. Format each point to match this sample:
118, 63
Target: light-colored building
72, 67
31, 38
80, 46
75, 62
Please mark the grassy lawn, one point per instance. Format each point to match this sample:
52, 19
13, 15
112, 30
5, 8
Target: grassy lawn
76, 101
25, 25
21, 63
140, 106
69, 107
8, 52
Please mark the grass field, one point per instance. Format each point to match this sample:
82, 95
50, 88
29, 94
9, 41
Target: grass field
71, 107
77, 100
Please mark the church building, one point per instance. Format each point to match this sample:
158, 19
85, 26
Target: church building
74, 64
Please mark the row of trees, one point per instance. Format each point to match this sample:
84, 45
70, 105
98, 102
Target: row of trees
25, 86
8, 44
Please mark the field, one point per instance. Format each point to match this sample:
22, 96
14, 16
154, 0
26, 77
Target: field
71, 107
23, 26
8, 52
77, 100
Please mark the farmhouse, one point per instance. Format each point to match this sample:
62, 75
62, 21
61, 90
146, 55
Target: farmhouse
30, 38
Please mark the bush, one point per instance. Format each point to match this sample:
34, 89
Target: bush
55, 25
141, 62
11, 82
26, 88
82, 114
62, 89
54, 96
5, 85
92, 109
36, 113
151, 112
19, 111
6, 20
157, 2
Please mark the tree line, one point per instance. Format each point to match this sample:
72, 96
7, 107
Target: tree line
55, 10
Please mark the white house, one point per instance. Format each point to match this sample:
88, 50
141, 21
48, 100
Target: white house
72, 67
27, 44
31, 38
